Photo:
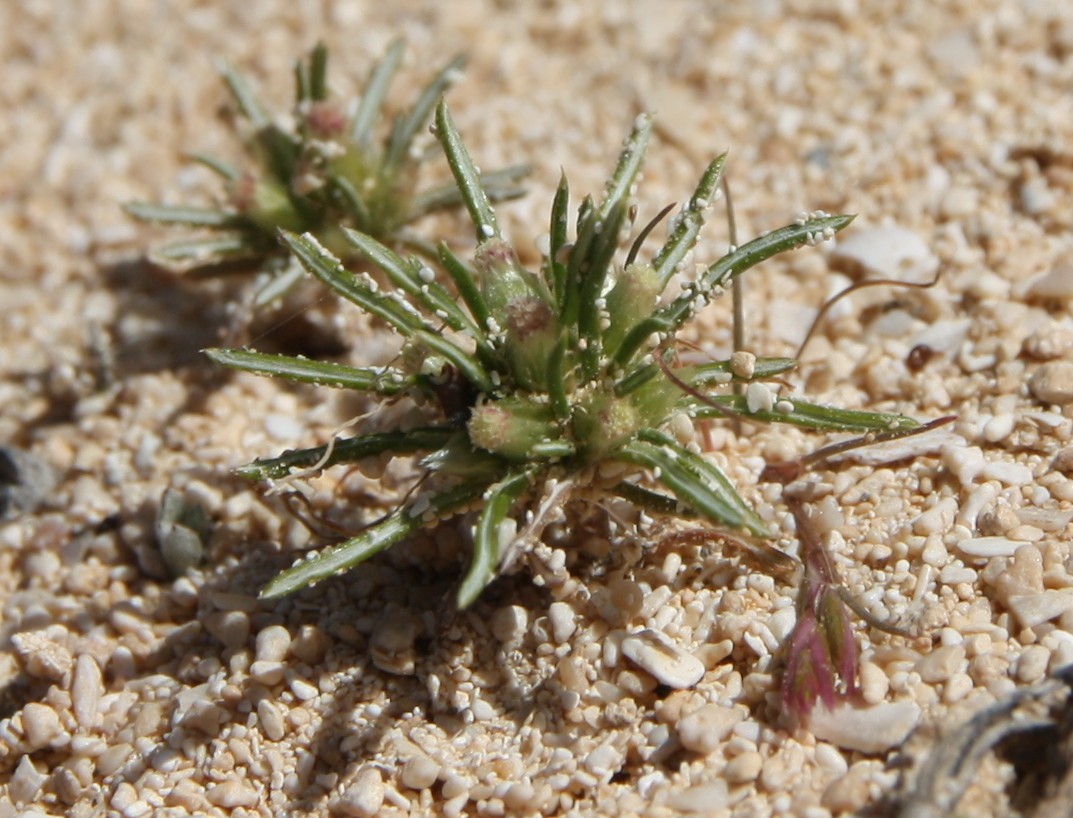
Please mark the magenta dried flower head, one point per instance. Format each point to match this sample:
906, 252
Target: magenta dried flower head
821, 655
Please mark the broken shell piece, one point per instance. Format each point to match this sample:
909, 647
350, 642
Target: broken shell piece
653, 652
1054, 283
1035, 609
887, 252
873, 729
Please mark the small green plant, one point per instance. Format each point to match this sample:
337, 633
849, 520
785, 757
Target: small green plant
321, 175
538, 383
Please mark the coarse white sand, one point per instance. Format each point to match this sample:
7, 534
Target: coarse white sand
945, 126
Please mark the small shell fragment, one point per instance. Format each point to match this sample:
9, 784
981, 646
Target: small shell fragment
873, 729
653, 652
1035, 609
887, 251
988, 547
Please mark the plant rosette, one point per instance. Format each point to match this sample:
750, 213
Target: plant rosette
320, 173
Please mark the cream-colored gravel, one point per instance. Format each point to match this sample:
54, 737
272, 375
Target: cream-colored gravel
639, 674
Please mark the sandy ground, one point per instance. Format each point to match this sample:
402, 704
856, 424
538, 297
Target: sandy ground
944, 125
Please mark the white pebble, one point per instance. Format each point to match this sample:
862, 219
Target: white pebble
874, 729
563, 621
232, 793
957, 688
744, 768
1052, 383
271, 719
26, 782
963, 461
703, 799
509, 623
303, 690
759, 397
42, 726
1008, 473
830, 759
941, 663
86, 688
704, 729
874, 683
604, 761
988, 547
936, 519
273, 643
42, 657
1035, 609
1032, 664
267, 673
945, 336
743, 364
652, 651
979, 498
999, 427
364, 796
419, 773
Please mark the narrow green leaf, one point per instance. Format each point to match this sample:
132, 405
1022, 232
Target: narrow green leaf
600, 251
584, 230
733, 264
688, 223
217, 166
346, 555
629, 164
497, 501
717, 372
349, 450
394, 309
183, 214
466, 175
278, 284
407, 275
466, 282
359, 289
810, 415
555, 274
557, 380
318, 73
669, 318
468, 366
596, 244
372, 101
652, 500
502, 184
208, 250
382, 380
350, 199
694, 481
418, 117
245, 98
280, 148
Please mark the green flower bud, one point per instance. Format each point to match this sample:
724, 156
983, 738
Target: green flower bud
631, 300
511, 427
602, 421
266, 203
529, 326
